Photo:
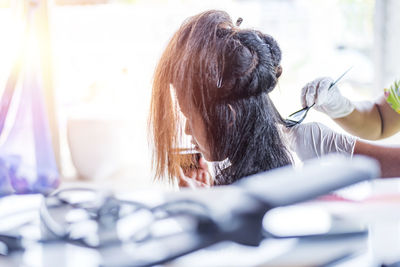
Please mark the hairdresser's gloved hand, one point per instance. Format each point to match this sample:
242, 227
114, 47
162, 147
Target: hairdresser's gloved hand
194, 178
313, 140
329, 101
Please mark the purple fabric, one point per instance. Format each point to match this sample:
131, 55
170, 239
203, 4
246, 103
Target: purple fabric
27, 161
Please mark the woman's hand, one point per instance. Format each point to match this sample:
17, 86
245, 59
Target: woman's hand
196, 177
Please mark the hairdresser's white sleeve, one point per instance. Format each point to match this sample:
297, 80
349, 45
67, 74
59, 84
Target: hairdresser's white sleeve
311, 140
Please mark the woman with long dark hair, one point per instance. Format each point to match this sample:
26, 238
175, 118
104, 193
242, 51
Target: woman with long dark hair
219, 77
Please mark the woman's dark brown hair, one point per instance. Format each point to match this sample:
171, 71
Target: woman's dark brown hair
224, 74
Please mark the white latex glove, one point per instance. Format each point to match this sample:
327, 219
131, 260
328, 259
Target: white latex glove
313, 140
330, 102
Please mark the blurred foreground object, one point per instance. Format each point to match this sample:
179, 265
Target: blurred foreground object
132, 232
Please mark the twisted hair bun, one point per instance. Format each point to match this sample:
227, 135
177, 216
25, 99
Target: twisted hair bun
250, 64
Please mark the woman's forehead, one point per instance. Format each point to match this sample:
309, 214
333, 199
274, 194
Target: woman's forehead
185, 107
182, 101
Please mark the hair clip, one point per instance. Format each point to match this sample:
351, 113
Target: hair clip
239, 21
219, 82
